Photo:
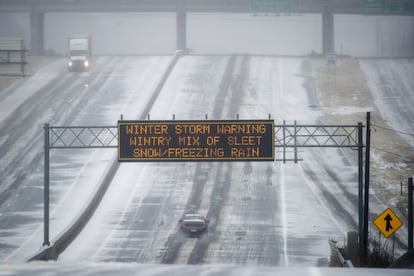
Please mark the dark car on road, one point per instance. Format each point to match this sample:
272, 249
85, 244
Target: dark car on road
194, 224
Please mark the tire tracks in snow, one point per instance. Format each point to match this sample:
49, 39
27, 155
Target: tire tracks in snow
229, 96
58, 101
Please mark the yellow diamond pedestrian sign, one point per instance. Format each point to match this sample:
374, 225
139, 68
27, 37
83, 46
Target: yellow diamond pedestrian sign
388, 223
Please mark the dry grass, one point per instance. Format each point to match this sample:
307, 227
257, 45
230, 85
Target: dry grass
346, 98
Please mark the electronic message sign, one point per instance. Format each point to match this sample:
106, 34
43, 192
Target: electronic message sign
239, 140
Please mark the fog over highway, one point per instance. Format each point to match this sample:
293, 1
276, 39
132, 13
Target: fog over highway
261, 214
266, 213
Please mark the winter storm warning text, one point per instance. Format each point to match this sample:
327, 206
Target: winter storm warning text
196, 140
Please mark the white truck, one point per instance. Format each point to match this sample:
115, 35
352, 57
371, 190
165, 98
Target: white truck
79, 53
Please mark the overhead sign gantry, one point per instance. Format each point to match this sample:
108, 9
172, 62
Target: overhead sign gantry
240, 140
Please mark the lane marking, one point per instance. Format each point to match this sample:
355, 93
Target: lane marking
284, 215
282, 183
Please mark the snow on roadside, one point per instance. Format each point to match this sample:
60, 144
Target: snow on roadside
13, 93
392, 85
355, 87
133, 84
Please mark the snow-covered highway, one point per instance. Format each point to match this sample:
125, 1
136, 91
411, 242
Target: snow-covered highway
252, 222
52, 95
261, 213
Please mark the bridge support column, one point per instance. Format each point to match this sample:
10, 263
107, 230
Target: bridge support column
37, 33
328, 34
181, 30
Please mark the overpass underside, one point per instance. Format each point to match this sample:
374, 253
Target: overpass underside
327, 8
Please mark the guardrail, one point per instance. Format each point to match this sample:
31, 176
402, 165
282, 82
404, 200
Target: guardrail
12, 56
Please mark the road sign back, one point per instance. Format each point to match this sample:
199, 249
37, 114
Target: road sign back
388, 223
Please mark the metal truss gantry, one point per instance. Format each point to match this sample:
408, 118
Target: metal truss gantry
288, 137
291, 137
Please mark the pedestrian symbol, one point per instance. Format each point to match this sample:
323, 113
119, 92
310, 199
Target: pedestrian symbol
388, 223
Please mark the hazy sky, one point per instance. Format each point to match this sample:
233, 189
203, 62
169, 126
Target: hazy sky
155, 33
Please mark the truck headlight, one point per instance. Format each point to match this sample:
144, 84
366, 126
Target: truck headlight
70, 63
86, 63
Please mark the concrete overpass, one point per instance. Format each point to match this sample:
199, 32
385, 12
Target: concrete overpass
37, 9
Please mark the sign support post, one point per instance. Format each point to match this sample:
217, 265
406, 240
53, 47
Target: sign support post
410, 213
360, 187
46, 188
366, 187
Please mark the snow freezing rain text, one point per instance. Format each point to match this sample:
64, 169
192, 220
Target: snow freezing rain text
239, 140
